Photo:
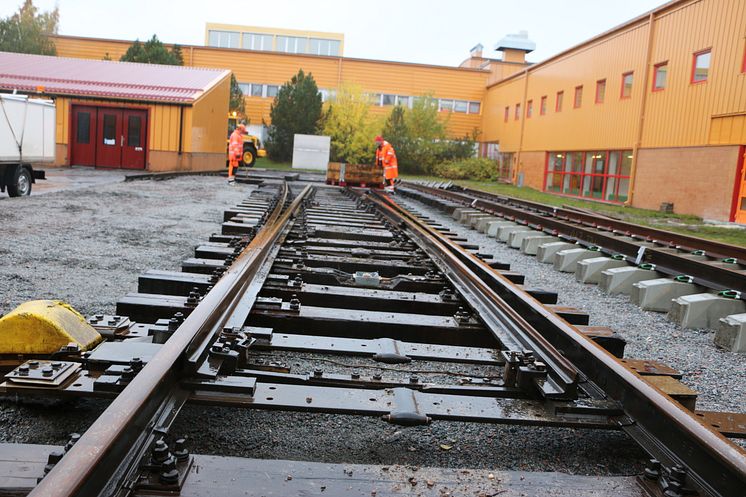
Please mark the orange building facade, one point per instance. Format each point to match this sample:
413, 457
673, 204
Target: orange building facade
650, 112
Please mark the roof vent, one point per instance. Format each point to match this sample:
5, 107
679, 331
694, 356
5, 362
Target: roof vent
516, 41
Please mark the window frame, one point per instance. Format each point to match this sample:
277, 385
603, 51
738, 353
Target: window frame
621, 89
696, 55
517, 115
543, 106
529, 108
599, 83
578, 92
577, 176
507, 113
558, 101
655, 76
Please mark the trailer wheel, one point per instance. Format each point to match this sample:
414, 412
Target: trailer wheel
20, 182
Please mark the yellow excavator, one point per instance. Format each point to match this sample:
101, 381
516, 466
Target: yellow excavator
252, 146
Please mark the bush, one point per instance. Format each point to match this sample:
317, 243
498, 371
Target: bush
350, 126
473, 168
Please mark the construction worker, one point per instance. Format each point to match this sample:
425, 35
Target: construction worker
235, 151
386, 158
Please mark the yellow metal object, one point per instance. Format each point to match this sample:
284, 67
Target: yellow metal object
43, 327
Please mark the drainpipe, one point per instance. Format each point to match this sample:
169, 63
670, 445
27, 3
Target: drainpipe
181, 128
641, 120
524, 110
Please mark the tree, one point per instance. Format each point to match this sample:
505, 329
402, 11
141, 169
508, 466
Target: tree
296, 110
27, 31
153, 51
395, 129
351, 128
237, 103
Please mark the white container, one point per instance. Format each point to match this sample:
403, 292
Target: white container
30, 123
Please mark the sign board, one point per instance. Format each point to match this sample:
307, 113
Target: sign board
311, 152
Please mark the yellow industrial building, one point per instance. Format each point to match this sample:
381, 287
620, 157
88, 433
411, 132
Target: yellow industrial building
650, 112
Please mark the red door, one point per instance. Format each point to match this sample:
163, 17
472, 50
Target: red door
110, 138
83, 136
133, 148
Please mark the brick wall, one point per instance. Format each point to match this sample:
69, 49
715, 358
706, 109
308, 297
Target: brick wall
698, 180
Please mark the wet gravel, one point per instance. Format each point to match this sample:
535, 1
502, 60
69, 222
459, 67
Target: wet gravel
88, 248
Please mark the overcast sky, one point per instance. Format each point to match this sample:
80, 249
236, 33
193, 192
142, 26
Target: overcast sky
427, 31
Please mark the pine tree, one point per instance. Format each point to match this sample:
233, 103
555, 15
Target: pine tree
296, 110
153, 51
27, 31
237, 103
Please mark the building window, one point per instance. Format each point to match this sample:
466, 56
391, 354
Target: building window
375, 99
529, 109
578, 101
599, 175
446, 105
474, 107
626, 91
223, 39
255, 41
701, 66
558, 102
543, 106
389, 99
291, 44
517, 111
460, 106
256, 90
84, 127
660, 74
272, 90
507, 113
600, 91
403, 100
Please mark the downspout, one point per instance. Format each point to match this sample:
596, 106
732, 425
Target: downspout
524, 111
641, 120
181, 128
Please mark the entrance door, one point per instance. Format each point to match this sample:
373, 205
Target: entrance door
83, 136
133, 148
110, 138
739, 207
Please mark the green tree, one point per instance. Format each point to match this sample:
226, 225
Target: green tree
153, 51
237, 103
395, 130
27, 31
351, 128
295, 110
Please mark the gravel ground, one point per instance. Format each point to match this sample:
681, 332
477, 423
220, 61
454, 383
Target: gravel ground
129, 228
718, 376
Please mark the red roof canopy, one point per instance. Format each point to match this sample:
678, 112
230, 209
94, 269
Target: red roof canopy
105, 79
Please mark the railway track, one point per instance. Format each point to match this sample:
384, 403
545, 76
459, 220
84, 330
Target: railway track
385, 314
707, 274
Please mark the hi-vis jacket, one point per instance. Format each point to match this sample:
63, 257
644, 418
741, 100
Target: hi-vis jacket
235, 145
386, 158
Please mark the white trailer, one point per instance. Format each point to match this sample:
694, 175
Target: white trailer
27, 127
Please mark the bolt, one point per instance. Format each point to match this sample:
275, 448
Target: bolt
74, 437
136, 364
294, 303
23, 370
169, 472
54, 457
678, 473
674, 489
179, 316
33, 364
653, 470
173, 324
318, 373
413, 379
47, 371
355, 375
99, 317
56, 365
160, 452
180, 450
377, 377
127, 374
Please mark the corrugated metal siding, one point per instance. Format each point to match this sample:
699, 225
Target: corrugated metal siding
728, 130
163, 122
329, 72
680, 114
208, 120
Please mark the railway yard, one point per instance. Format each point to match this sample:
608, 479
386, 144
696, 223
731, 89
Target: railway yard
293, 338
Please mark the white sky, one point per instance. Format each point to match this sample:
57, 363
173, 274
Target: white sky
433, 32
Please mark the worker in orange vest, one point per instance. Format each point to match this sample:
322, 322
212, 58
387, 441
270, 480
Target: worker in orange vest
235, 151
386, 158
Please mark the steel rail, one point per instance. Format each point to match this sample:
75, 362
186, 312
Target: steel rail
722, 250
662, 426
595, 234
509, 327
112, 447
